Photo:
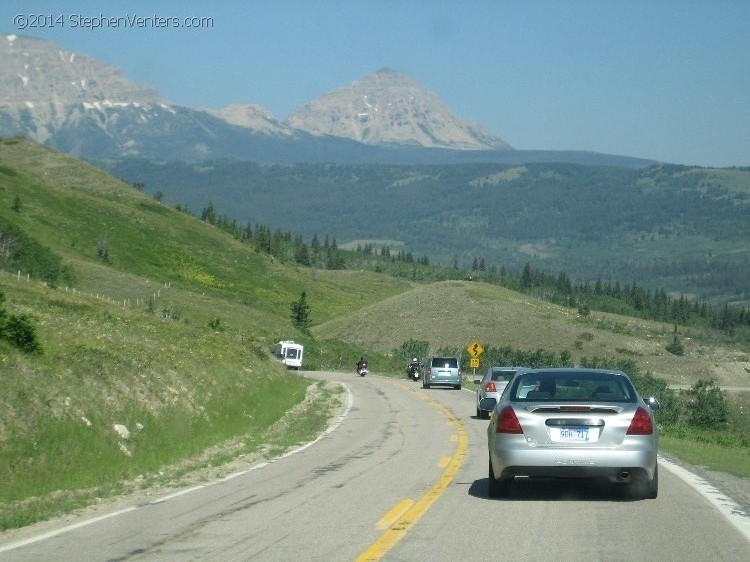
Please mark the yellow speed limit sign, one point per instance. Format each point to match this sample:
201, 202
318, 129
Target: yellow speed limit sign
474, 362
475, 349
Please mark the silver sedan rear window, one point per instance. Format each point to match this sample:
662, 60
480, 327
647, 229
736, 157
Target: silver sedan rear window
572, 386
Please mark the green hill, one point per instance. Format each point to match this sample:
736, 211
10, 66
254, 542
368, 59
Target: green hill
452, 314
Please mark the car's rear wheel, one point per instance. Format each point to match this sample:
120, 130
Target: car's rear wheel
652, 488
645, 489
497, 488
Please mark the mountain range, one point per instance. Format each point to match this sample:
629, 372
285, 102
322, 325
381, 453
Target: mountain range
76, 104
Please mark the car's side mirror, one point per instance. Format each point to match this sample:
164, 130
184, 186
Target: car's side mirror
477, 381
653, 403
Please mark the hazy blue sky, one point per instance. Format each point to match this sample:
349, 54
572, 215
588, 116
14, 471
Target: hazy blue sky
662, 79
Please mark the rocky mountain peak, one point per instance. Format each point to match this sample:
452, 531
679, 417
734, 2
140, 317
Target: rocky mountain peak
35, 71
253, 117
388, 107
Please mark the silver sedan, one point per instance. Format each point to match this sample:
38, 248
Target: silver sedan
573, 422
492, 385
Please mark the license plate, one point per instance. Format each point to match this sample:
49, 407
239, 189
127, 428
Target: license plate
574, 434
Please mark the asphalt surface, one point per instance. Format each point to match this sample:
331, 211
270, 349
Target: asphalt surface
400, 475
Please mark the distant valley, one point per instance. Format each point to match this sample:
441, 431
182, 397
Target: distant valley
686, 230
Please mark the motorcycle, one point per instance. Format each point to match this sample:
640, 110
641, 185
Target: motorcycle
413, 372
362, 371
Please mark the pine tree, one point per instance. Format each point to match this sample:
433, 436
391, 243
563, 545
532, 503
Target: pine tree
315, 245
301, 312
209, 213
302, 254
526, 277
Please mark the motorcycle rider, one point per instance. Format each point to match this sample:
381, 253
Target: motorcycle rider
414, 366
361, 364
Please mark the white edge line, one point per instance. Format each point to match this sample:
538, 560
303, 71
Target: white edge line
66, 529
331, 428
726, 506
178, 493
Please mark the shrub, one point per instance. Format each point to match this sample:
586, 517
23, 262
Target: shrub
17, 330
706, 405
23, 253
670, 406
676, 348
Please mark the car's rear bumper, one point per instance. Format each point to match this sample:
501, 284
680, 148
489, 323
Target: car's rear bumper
616, 465
444, 381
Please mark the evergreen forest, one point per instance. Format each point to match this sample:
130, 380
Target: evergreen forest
682, 229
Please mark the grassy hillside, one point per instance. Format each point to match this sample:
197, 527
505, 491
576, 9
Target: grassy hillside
455, 313
166, 334
74, 208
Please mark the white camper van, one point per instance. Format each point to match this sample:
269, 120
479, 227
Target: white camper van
289, 353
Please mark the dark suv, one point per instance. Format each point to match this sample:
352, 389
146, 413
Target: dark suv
442, 371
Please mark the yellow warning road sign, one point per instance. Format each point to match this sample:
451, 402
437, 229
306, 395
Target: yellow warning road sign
475, 349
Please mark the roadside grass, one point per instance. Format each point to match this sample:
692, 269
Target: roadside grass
174, 384
725, 450
337, 355
305, 422
732, 459
299, 424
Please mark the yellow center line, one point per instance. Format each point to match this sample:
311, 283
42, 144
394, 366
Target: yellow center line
394, 514
403, 524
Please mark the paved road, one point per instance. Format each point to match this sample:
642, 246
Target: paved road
402, 476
